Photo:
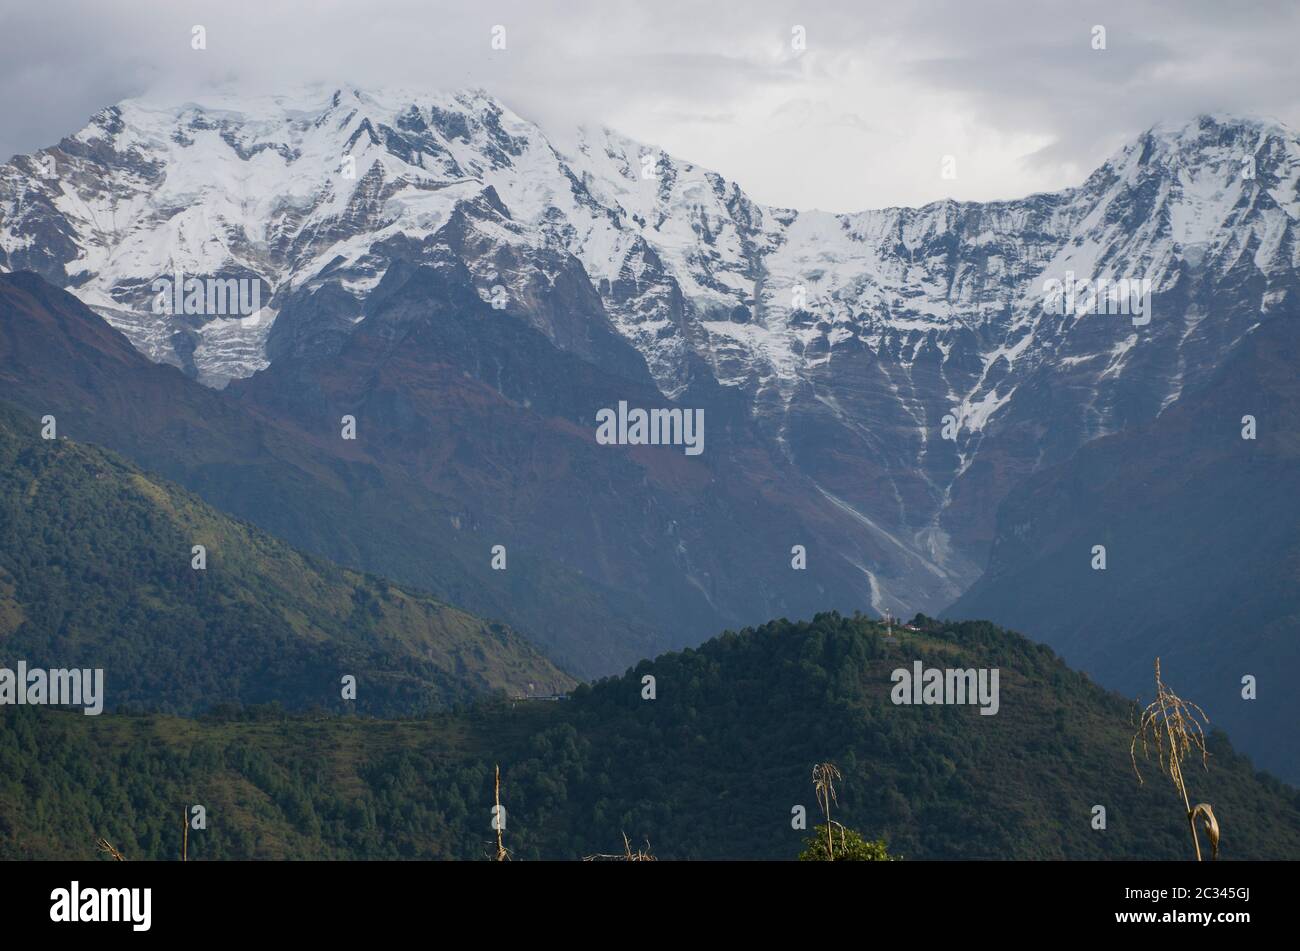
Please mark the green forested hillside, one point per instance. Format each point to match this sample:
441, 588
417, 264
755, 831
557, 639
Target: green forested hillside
96, 571
710, 768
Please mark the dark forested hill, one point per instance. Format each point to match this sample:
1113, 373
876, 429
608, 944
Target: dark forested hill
97, 571
710, 768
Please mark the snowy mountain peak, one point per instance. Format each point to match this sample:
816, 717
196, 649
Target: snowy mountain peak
290, 187
911, 345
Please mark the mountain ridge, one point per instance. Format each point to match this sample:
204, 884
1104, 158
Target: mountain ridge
98, 570
849, 338
732, 733
613, 553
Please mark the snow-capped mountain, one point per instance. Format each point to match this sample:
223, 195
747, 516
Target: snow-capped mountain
902, 359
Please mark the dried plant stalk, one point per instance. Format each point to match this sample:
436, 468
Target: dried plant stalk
503, 854
640, 855
107, 847
1169, 723
824, 776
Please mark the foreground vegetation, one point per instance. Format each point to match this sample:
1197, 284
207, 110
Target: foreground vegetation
711, 768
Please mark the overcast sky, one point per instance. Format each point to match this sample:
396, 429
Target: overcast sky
860, 118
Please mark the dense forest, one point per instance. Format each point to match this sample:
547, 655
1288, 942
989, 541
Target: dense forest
97, 570
711, 767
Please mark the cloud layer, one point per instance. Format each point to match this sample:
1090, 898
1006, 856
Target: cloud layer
862, 117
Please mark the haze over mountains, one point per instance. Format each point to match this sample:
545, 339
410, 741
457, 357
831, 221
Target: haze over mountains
475, 294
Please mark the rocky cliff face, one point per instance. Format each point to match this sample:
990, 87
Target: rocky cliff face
1197, 517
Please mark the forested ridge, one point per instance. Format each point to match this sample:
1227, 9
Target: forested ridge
97, 570
710, 768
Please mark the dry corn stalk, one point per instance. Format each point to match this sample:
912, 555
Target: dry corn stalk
824, 776
1169, 724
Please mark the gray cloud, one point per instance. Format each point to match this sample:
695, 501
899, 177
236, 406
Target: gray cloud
862, 118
